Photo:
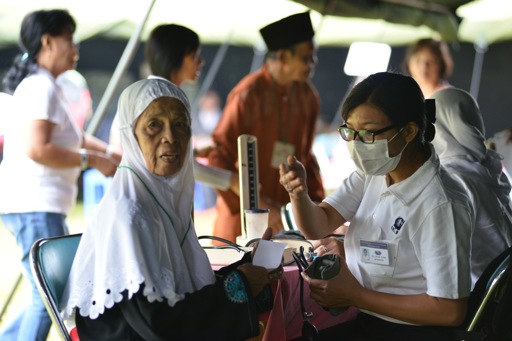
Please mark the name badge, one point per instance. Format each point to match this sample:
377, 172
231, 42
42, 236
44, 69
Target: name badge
374, 252
280, 153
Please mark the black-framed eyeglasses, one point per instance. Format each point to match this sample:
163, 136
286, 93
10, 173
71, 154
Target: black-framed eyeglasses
366, 136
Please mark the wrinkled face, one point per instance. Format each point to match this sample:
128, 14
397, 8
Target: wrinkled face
425, 67
163, 133
301, 64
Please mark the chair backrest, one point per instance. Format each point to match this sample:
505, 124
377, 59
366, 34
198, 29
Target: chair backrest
490, 304
50, 262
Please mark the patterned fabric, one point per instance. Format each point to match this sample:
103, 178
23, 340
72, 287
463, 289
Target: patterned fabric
234, 287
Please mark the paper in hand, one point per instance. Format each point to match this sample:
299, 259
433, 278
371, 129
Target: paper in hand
268, 254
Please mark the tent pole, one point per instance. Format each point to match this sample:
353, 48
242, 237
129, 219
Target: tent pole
124, 62
480, 50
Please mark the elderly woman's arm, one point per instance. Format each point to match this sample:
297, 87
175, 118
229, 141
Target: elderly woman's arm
225, 310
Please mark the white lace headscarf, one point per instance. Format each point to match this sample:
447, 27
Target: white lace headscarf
460, 139
142, 230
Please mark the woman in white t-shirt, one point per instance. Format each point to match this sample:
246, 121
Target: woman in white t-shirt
44, 150
413, 219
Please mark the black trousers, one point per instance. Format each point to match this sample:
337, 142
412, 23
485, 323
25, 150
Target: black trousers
370, 328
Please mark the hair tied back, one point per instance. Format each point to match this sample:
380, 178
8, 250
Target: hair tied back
430, 106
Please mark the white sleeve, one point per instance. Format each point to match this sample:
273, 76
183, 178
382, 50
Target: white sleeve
212, 176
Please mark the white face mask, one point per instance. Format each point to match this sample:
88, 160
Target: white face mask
374, 159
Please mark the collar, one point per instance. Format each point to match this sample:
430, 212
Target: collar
407, 190
42, 71
279, 88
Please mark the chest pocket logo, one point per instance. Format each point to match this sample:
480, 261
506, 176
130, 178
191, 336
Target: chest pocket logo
399, 222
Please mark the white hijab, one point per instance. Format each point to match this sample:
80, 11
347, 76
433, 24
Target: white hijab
142, 230
460, 140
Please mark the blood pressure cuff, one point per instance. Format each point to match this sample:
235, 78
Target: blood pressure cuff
326, 267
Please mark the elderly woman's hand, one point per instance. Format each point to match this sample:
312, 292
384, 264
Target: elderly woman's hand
270, 276
293, 177
257, 276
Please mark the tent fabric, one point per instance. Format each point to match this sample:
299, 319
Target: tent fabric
395, 22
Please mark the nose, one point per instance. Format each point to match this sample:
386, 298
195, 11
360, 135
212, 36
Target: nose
77, 52
314, 60
356, 136
168, 134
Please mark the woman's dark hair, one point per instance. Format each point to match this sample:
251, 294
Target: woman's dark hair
34, 25
399, 97
438, 48
167, 46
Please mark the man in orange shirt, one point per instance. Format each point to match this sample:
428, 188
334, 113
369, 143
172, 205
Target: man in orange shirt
280, 106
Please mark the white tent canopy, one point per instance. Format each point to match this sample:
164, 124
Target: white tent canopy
238, 21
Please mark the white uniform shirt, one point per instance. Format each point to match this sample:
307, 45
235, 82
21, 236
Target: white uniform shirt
30, 186
424, 221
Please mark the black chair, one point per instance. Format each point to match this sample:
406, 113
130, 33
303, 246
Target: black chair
50, 262
490, 303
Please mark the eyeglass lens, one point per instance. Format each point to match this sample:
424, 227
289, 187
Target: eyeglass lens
350, 134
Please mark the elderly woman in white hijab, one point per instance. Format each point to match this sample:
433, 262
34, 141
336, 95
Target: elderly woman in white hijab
460, 143
140, 272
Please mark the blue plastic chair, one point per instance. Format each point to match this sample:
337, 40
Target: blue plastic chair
50, 262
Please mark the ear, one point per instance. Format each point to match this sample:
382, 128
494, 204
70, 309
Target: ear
45, 40
282, 55
411, 129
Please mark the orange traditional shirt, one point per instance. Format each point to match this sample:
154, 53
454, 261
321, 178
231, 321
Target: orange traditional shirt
258, 106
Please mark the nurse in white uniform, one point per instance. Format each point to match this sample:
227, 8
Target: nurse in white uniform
405, 259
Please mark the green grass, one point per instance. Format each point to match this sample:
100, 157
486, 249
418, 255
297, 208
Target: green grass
10, 269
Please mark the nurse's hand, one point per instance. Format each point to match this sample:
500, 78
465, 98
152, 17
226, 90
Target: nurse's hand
340, 291
293, 177
329, 245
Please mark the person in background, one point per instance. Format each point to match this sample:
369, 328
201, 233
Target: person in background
278, 105
430, 63
173, 53
203, 123
44, 150
413, 217
77, 93
141, 273
208, 115
460, 144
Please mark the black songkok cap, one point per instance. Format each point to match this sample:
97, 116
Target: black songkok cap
288, 31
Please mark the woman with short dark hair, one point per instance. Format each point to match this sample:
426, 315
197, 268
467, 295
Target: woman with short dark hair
414, 219
430, 63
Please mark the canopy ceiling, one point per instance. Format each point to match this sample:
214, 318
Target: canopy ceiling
396, 22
